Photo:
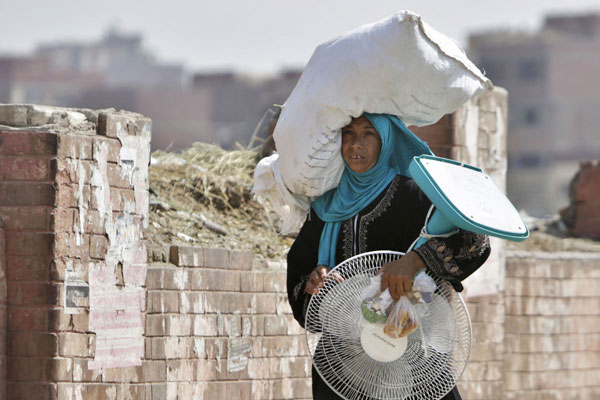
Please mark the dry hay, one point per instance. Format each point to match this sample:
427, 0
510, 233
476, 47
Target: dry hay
202, 196
204, 191
551, 236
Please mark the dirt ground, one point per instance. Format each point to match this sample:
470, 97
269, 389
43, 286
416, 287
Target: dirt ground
202, 196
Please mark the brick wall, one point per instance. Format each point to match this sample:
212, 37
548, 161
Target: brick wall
74, 200
219, 328
438, 136
552, 335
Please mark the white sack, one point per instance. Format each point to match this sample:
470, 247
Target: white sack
271, 192
398, 66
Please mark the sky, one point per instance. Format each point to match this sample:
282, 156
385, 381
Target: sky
255, 37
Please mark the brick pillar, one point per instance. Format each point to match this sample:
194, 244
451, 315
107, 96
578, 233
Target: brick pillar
476, 134
74, 198
3, 315
26, 201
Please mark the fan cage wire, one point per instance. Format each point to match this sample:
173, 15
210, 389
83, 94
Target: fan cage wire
424, 372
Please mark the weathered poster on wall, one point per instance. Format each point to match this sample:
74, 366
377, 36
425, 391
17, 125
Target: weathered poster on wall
77, 293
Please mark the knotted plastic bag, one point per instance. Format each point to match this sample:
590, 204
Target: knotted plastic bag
403, 318
376, 303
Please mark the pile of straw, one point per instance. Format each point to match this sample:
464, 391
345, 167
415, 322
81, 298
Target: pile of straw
202, 196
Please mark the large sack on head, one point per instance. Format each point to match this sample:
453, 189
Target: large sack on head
398, 66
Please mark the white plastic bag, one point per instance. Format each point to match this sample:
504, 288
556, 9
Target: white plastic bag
376, 303
403, 317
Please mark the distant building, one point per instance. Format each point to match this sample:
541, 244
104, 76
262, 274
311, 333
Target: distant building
553, 81
238, 103
118, 72
119, 58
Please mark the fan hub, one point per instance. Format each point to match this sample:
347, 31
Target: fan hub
379, 346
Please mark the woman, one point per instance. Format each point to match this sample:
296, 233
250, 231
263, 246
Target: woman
375, 207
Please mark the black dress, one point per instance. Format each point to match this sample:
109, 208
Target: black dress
391, 222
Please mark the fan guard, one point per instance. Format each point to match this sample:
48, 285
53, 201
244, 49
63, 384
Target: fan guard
436, 353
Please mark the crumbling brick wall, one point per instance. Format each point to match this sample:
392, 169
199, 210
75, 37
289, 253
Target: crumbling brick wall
552, 326
219, 326
74, 201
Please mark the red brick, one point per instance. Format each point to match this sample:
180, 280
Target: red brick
32, 293
59, 264
68, 195
81, 322
58, 320
27, 319
59, 369
93, 223
98, 246
74, 344
25, 369
154, 371
240, 260
26, 218
589, 209
116, 177
113, 146
589, 227
81, 373
134, 392
65, 244
24, 168
3, 300
27, 143
131, 124
29, 243
61, 219
26, 194
216, 258
186, 256
121, 197
70, 171
238, 390
74, 146
28, 391
31, 344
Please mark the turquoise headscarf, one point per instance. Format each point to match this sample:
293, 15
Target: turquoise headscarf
357, 190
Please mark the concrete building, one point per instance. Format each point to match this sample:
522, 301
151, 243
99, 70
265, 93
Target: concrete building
118, 72
553, 78
238, 102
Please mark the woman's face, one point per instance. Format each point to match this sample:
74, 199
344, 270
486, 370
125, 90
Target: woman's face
361, 145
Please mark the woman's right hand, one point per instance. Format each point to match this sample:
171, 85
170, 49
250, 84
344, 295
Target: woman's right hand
317, 277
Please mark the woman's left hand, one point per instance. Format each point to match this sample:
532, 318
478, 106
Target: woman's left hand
398, 275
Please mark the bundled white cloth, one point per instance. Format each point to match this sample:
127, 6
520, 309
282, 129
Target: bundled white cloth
398, 66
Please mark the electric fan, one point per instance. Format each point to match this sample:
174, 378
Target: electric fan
356, 359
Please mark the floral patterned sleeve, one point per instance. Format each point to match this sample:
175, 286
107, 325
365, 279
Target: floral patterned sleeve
456, 257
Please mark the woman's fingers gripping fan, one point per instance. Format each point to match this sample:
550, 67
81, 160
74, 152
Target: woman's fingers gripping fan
317, 277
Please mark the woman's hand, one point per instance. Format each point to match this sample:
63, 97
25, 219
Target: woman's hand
316, 279
398, 275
